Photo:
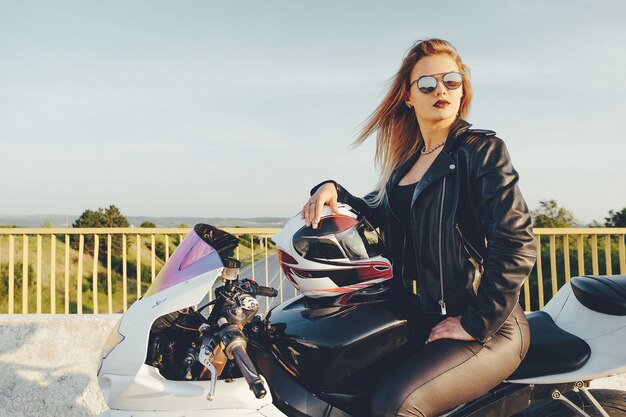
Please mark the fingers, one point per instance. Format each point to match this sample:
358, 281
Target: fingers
307, 214
450, 328
312, 210
443, 334
333, 205
440, 331
313, 216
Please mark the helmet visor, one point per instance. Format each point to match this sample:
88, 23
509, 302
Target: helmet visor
361, 242
356, 242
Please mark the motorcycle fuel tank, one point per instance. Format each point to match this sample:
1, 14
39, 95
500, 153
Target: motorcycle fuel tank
336, 343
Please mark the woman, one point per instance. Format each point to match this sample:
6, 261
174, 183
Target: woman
448, 205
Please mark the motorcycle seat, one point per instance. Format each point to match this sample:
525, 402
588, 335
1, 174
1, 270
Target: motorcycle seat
552, 350
602, 293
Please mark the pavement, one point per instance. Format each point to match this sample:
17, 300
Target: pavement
48, 364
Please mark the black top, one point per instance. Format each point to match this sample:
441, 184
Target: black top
400, 203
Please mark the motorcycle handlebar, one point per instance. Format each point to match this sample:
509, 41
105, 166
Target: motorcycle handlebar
266, 291
252, 287
249, 371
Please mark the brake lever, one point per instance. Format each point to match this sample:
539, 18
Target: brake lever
204, 357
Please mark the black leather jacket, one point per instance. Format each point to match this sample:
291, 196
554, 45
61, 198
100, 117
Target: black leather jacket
468, 219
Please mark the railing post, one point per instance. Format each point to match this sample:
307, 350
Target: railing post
66, 298
138, 269
153, 255
622, 254
594, 255
11, 274
94, 279
109, 284
53, 276
539, 273
79, 275
581, 255
553, 274
39, 294
24, 274
568, 274
607, 254
124, 275
252, 253
267, 277
1, 236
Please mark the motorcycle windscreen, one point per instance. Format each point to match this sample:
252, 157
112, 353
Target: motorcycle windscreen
192, 257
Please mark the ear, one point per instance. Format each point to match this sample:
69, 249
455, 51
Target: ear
407, 100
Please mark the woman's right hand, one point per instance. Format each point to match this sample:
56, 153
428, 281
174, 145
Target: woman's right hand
312, 210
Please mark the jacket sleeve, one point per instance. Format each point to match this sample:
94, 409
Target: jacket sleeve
511, 248
372, 212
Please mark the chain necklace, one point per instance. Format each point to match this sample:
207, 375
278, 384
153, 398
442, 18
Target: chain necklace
439, 145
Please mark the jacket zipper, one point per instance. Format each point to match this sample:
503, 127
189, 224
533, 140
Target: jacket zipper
474, 253
442, 301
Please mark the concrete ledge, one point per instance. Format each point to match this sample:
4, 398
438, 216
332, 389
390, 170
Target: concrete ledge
48, 365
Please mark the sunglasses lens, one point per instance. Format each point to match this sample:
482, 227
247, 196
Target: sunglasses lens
427, 84
452, 80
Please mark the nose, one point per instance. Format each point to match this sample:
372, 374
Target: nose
441, 88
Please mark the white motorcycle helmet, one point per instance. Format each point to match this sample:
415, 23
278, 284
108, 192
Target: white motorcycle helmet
342, 255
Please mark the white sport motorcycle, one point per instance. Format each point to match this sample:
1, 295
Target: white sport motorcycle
185, 349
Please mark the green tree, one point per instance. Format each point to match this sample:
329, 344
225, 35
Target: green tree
108, 217
147, 224
103, 217
90, 218
549, 214
616, 218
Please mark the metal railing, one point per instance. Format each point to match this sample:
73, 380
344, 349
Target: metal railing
564, 250
103, 270
95, 270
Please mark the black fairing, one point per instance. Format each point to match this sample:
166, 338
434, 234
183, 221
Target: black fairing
338, 345
288, 394
602, 293
224, 243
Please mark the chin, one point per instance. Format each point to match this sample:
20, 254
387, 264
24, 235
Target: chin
441, 116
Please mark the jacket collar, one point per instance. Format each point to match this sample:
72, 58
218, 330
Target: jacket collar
459, 127
441, 164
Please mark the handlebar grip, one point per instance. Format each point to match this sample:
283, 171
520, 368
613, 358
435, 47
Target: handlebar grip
266, 291
249, 371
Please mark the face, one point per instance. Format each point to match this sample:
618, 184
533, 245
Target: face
441, 104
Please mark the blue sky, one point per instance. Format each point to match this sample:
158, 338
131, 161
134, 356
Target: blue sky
203, 108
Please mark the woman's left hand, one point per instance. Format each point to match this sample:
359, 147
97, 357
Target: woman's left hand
450, 328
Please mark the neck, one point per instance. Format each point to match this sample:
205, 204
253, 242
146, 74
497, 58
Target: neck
434, 133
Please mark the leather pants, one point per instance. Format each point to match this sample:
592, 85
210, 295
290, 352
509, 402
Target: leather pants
446, 373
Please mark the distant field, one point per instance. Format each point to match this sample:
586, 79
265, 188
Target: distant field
56, 220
